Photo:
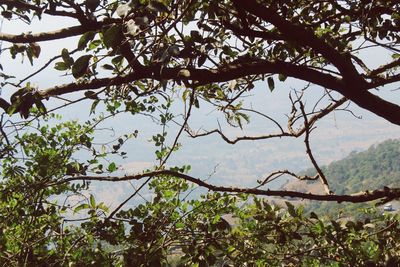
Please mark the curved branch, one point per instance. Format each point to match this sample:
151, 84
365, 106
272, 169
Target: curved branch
366, 196
362, 98
57, 34
241, 138
205, 76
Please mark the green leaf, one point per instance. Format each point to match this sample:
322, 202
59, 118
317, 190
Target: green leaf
395, 56
40, 106
185, 95
282, 77
271, 84
81, 207
13, 108
67, 58
80, 66
291, 209
85, 39
158, 6
91, 94
108, 67
196, 36
112, 167
94, 105
61, 66
179, 225
201, 60
113, 36
94, 44
92, 201
102, 206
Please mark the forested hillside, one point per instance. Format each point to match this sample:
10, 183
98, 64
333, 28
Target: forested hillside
376, 167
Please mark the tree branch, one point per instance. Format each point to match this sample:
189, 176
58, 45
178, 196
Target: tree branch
57, 34
354, 198
205, 76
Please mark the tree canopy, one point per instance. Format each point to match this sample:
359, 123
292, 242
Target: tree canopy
141, 57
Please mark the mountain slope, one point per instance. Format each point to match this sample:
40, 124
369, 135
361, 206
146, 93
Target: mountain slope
371, 169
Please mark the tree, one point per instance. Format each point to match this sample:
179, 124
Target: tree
136, 57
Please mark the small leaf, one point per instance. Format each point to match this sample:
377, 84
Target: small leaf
102, 206
61, 66
185, 95
179, 225
40, 106
113, 36
94, 44
66, 57
92, 201
85, 39
369, 225
81, 207
91, 94
108, 67
271, 84
201, 60
80, 66
282, 77
158, 6
291, 209
35, 49
196, 36
93, 107
13, 108
112, 167
395, 56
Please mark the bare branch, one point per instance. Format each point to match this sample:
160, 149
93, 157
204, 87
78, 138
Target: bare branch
355, 198
321, 174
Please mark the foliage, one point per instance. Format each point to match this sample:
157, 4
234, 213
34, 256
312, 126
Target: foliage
163, 60
37, 229
376, 167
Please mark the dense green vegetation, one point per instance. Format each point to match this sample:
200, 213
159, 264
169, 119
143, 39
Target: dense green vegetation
377, 167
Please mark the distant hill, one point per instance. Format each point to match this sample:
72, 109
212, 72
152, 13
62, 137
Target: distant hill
371, 169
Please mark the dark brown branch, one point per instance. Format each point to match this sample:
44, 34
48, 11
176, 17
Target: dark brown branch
354, 86
303, 36
355, 198
20, 5
57, 34
4, 104
384, 68
363, 98
205, 76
